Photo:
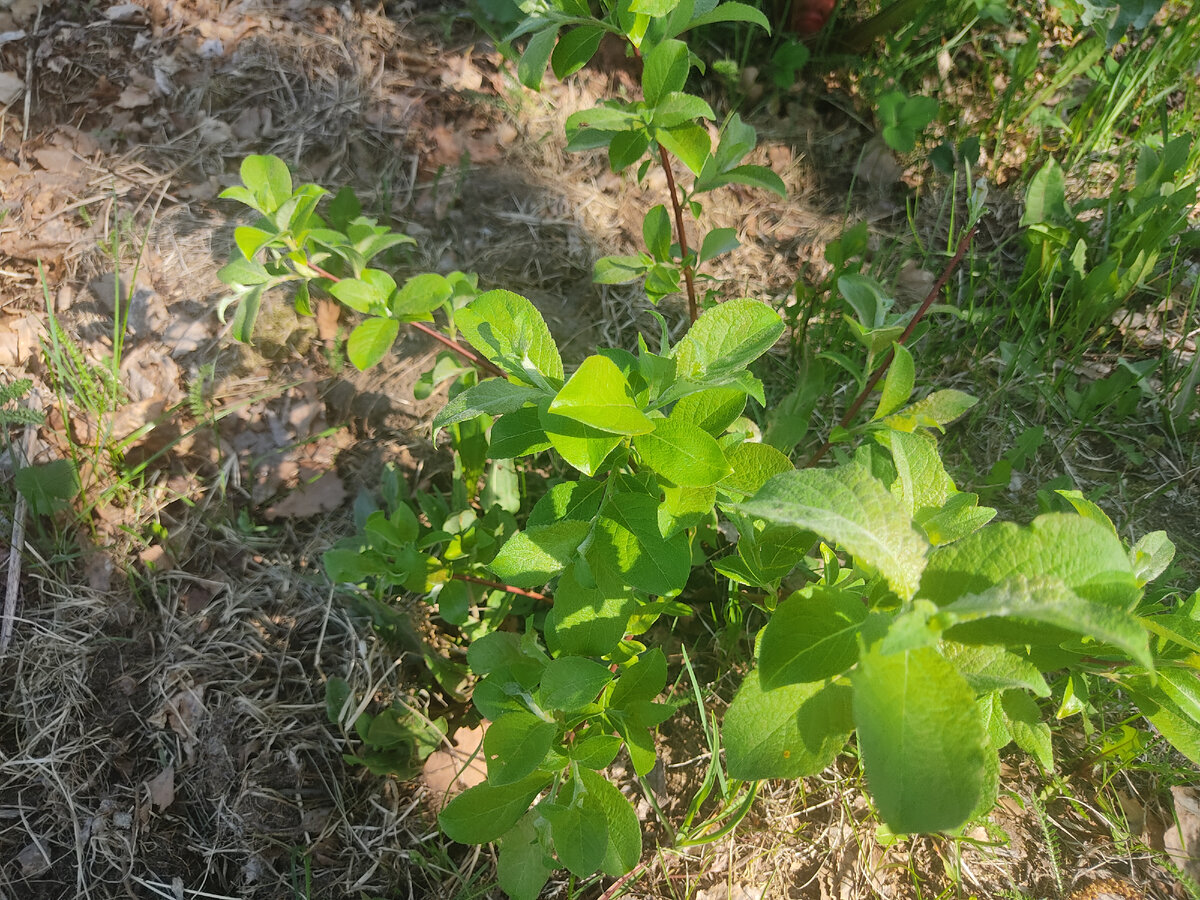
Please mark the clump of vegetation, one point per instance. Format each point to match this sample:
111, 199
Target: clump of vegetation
889, 607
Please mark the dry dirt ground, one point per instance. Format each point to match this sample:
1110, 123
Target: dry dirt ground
163, 729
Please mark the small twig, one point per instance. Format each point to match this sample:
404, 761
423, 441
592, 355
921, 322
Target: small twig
496, 585
469, 355
13, 584
887, 360
37, 24
693, 308
619, 885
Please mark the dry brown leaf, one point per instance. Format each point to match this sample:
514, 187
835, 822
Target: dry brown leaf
1182, 840
448, 772
877, 165
321, 496
12, 88
162, 788
327, 319
133, 98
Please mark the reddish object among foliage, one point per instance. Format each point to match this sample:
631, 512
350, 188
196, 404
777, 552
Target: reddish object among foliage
810, 16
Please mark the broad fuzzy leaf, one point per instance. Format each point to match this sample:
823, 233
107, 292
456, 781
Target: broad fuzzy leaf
370, 341
753, 465
921, 738
599, 396
586, 621
523, 867
629, 543
572, 682
852, 508
492, 397
1084, 555
713, 409
508, 330
583, 446
682, 453
1045, 600
532, 557
726, 339
811, 638
788, 732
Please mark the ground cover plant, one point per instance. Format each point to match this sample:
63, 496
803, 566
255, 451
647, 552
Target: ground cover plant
928, 639
758, 548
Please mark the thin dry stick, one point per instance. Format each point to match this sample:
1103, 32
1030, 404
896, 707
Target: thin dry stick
13, 585
887, 361
37, 24
693, 309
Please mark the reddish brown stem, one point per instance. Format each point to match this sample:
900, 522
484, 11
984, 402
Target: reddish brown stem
469, 355
891, 354
496, 585
693, 308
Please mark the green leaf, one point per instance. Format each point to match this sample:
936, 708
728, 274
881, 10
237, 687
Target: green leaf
921, 738
898, 384
851, 507
582, 446
788, 732
420, 296
717, 242
726, 339
1171, 704
1046, 600
935, 411
48, 487
523, 868
572, 682
532, 65
586, 621
596, 751
811, 637
1046, 197
485, 812
244, 272
1084, 555
1028, 730
629, 542
731, 12
568, 500
624, 847
515, 745
618, 269
753, 465
580, 836
269, 180
493, 397
656, 232
652, 8
371, 293
688, 141
990, 667
575, 49
677, 107
532, 557
665, 70
370, 341
642, 680
626, 148
518, 433
682, 453
713, 409
959, 517
337, 694
921, 482
598, 396
508, 330
454, 602
251, 240
1150, 556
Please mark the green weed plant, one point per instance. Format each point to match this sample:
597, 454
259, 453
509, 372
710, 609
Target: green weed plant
912, 624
